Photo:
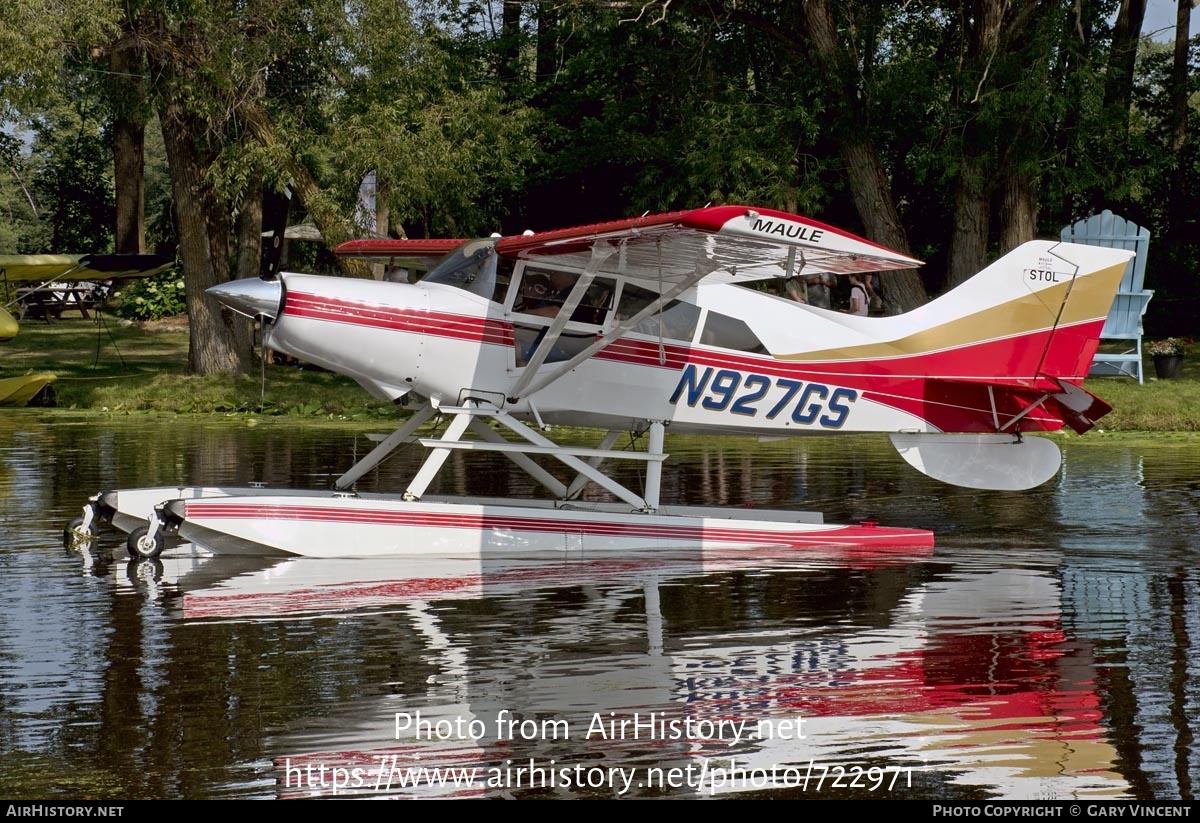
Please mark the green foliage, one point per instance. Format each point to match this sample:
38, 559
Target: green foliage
152, 298
448, 145
74, 183
22, 229
39, 40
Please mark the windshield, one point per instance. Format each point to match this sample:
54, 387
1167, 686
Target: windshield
471, 267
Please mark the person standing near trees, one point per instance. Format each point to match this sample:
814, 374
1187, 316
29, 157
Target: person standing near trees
858, 296
796, 288
820, 290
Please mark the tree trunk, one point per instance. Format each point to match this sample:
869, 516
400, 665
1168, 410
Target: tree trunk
1179, 117
1018, 211
969, 235
383, 211
1179, 76
547, 43
1122, 57
869, 185
382, 215
510, 71
991, 30
872, 195
219, 342
129, 131
250, 228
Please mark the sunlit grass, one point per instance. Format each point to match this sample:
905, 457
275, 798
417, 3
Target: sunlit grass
117, 367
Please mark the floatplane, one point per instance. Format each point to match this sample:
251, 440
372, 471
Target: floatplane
644, 325
56, 282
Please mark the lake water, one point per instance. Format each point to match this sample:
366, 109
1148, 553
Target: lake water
1045, 648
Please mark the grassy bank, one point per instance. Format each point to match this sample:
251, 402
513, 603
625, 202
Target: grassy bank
114, 366
117, 367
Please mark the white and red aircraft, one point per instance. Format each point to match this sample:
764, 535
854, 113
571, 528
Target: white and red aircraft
640, 325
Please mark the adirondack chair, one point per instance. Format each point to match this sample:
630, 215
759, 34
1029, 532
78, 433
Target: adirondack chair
1124, 321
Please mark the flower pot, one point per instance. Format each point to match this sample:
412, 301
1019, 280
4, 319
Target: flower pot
1168, 366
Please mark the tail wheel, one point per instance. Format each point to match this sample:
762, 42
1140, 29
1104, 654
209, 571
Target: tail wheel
142, 545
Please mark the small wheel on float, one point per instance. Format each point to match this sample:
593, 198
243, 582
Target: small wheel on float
74, 535
142, 545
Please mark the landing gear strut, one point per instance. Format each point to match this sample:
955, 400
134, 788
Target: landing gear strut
142, 545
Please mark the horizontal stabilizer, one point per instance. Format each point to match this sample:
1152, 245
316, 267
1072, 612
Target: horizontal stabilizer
1079, 407
997, 462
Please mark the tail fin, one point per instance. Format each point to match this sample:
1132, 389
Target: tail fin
1029, 325
1031, 317
1037, 314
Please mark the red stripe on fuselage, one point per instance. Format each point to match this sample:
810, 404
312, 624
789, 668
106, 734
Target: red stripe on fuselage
414, 321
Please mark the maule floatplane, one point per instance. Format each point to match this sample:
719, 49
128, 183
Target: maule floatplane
640, 325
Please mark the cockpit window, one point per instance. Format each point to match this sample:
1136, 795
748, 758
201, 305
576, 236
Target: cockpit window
542, 292
471, 267
730, 333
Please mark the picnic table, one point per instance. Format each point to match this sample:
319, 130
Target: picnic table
49, 302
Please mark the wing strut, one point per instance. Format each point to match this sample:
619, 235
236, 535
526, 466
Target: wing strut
704, 267
600, 253
375, 457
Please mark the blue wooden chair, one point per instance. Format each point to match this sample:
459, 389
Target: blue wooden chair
1124, 321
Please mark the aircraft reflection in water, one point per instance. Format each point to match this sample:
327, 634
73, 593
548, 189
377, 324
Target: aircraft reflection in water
944, 689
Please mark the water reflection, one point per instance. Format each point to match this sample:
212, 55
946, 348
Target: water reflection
948, 688
1045, 648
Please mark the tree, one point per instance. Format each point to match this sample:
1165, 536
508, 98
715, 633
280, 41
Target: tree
73, 180
22, 229
130, 109
430, 117
843, 52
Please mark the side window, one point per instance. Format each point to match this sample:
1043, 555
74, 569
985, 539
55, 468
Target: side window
541, 292
730, 333
504, 272
676, 321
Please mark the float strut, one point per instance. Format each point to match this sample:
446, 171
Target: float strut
389, 444
654, 468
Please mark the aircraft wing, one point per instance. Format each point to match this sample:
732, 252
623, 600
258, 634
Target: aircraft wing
670, 253
733, 243
408, 254
45, 268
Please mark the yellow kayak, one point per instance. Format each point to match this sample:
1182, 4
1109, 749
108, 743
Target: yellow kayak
33, 389
8, 326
